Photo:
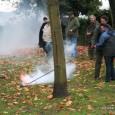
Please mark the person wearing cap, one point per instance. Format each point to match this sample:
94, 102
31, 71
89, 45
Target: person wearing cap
41, 41
72, 32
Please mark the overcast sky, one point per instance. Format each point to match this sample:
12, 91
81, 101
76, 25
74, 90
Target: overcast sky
105, 4
5, 6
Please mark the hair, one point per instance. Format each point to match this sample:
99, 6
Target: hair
107, 26
44, 18
104, 17
92, 16
71, 13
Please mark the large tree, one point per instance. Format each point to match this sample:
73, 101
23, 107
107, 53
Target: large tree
112, 7
60, 82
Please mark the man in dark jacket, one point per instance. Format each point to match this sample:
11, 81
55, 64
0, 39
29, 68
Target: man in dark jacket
72, 32
41, 41
90, 30
99, 50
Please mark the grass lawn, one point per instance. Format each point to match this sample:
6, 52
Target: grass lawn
87, 96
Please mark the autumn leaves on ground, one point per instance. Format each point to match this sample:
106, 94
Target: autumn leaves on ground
87, 96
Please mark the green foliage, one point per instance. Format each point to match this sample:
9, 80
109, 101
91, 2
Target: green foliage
82, 39
80, 6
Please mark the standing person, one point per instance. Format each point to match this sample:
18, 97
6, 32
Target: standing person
72, 32
107, 40
99, 50
41, 42
90, 30
47, 39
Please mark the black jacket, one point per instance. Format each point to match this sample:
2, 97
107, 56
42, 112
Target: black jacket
109, 47
41, 41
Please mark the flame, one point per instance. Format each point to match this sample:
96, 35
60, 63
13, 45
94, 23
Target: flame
23, 77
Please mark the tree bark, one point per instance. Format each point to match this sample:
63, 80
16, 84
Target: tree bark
112, 7
60, 80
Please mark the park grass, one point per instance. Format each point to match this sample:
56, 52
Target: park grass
87, 96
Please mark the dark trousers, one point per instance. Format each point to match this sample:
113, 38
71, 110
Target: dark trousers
98, 62
110, 72
91, 52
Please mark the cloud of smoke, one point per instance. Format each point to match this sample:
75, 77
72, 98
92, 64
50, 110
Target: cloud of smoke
43, 76
19, 30
40, 77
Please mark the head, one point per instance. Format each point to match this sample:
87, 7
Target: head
45, 20
71, 14
103, 27
92, 18
104, 19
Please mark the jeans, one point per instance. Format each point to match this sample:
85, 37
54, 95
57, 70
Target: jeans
110, 72
48, 49
73, 42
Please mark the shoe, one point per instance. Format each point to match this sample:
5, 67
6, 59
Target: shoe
97, 78
112, 79
2, 77
107, 80
90, 58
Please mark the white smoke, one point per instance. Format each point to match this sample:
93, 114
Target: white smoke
47, 76
68, 49
19, 30
40, 77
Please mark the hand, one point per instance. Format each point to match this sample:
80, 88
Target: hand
88, 33
70, 30
93, 46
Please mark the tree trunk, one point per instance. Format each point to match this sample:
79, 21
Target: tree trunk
112, 6
60, 80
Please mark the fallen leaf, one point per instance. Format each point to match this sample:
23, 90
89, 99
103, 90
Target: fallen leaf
69, 103
48, 107
90, 107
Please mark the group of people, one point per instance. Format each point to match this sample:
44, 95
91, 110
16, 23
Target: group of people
70, 34
101, 39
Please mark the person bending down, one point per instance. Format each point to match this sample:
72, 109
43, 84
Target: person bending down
107, 42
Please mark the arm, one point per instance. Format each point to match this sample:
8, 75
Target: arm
95, 35
76, 25
102, 39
